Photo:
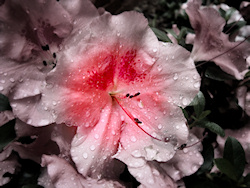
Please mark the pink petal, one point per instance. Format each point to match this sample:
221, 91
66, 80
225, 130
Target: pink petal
136, 145
8, 165
63, 175
81, 12
211, 44
244, 99
149, 175
185, 162
92, 152
42, 140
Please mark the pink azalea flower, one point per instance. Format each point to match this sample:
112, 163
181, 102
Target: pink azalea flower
116, 83
122, 88
211, 44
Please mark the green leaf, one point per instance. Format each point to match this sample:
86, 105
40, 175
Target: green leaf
226, 167
198, 103
161, 35
234, 152
247, 74
216, 73
171, 31
7, 133
185, 113
4, 103
204, 114
211, 126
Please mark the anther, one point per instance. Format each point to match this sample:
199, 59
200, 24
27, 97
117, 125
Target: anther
46, 47
137, 94
127, 95
54, 55
182, 147
137, 120
54, 65
44, 63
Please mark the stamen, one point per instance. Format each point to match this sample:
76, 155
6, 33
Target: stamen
131, 96
54, 55
186, 146
137, 122
137, 94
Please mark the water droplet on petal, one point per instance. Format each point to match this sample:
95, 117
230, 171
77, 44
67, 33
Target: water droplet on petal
140, 104
54, 103
151, 181
136, 153
2, 81
175, 76
96, 136
1, 88
154, 50
159, 68
85, 155
184, 101
150, 153
133, 138
43, 122
92, 148
160, 126
12, 80
197, 84
195, 168
87, 114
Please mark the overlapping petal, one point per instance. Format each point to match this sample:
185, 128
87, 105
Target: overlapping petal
63, 175
92, 152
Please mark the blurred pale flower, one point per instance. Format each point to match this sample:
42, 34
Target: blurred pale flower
211, 44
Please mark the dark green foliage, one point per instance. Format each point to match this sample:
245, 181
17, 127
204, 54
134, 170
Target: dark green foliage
4, 103
7, 133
